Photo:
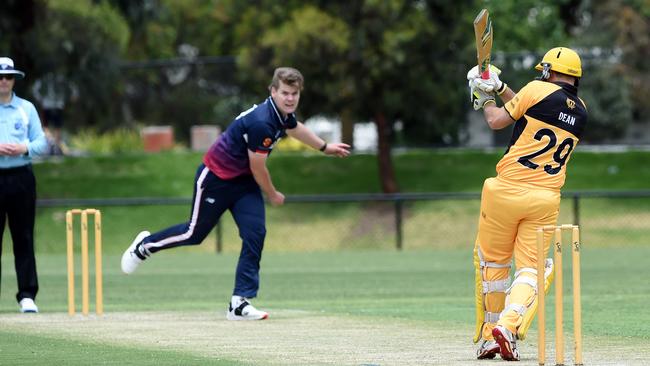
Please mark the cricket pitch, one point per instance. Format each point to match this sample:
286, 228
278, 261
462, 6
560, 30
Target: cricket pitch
296, 338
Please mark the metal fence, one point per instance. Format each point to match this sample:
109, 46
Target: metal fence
358, 221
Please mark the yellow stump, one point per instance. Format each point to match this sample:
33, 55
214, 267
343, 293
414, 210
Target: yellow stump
559, 296
99, 288
577, 302
84, 263
70, 252
559, 322
85, 283
541, 313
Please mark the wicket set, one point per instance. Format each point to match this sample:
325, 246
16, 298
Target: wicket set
69, 218
577, 311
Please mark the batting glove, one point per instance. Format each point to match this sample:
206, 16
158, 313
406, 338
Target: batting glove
493, 84
479, 97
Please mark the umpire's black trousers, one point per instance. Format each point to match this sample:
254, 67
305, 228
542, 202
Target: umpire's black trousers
17, 207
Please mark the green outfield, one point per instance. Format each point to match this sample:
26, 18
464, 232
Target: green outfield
449, 223
171, 174
337, 290
338, 308
327, 226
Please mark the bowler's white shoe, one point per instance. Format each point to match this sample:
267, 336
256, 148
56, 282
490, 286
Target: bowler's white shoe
245, 311
132, 257
27, 305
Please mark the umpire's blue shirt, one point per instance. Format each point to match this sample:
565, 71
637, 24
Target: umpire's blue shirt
19, 123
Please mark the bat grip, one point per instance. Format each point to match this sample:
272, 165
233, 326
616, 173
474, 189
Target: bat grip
486, 74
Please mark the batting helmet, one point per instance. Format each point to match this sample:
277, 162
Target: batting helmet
560, 59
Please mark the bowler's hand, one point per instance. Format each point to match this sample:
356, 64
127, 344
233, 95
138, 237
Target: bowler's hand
276, 199
13, 149
338, 149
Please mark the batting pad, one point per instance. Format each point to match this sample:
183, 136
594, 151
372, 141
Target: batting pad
478, 293
527, 320
490, 293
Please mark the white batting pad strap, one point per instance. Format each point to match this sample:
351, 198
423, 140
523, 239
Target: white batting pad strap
496, 286
532, 271
494, 265
525, 280
517, 308
491, 317
484, 264
532, 282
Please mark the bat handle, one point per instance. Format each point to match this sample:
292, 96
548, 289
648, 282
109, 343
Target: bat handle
486, 74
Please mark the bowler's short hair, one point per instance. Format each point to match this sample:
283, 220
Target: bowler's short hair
287, 75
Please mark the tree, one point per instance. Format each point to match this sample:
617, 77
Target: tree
386, 61
169, 80
83, 42
17, 19
373, 60
624, 28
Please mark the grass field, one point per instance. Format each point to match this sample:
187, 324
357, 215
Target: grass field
353, 226
333, 226
171, 174
337, 290
327, 308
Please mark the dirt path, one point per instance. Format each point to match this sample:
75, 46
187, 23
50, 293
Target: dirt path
300, 338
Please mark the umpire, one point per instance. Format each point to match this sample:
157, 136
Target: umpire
21, 138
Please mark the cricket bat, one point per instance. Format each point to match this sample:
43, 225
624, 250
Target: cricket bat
483, 33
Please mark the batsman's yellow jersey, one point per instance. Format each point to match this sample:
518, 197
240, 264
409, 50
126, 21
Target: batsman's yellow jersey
549, 120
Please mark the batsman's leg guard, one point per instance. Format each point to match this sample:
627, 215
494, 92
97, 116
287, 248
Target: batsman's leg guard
492, 281
527, 319
520, 297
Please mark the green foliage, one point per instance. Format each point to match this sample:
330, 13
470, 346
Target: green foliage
117, 141
613, 37
309, 35
182, 95
378, 53
606, 94
82, 41
170, 24
523, 32
399, 60
527, 25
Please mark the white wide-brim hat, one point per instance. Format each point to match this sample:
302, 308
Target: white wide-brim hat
7, 67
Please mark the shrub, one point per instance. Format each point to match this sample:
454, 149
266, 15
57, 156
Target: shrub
116, 141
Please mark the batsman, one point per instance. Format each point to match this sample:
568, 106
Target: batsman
549, 119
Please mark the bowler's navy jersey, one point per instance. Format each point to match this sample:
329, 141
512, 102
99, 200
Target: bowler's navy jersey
256, 129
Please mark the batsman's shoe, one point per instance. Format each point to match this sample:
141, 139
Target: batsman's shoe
507, 343
133, 256
27, 305
488, 350
245, 311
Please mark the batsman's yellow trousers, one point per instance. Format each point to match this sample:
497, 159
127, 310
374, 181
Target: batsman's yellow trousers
511, 213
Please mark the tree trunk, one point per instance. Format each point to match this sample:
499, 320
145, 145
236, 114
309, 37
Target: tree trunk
386, 171
347, 127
